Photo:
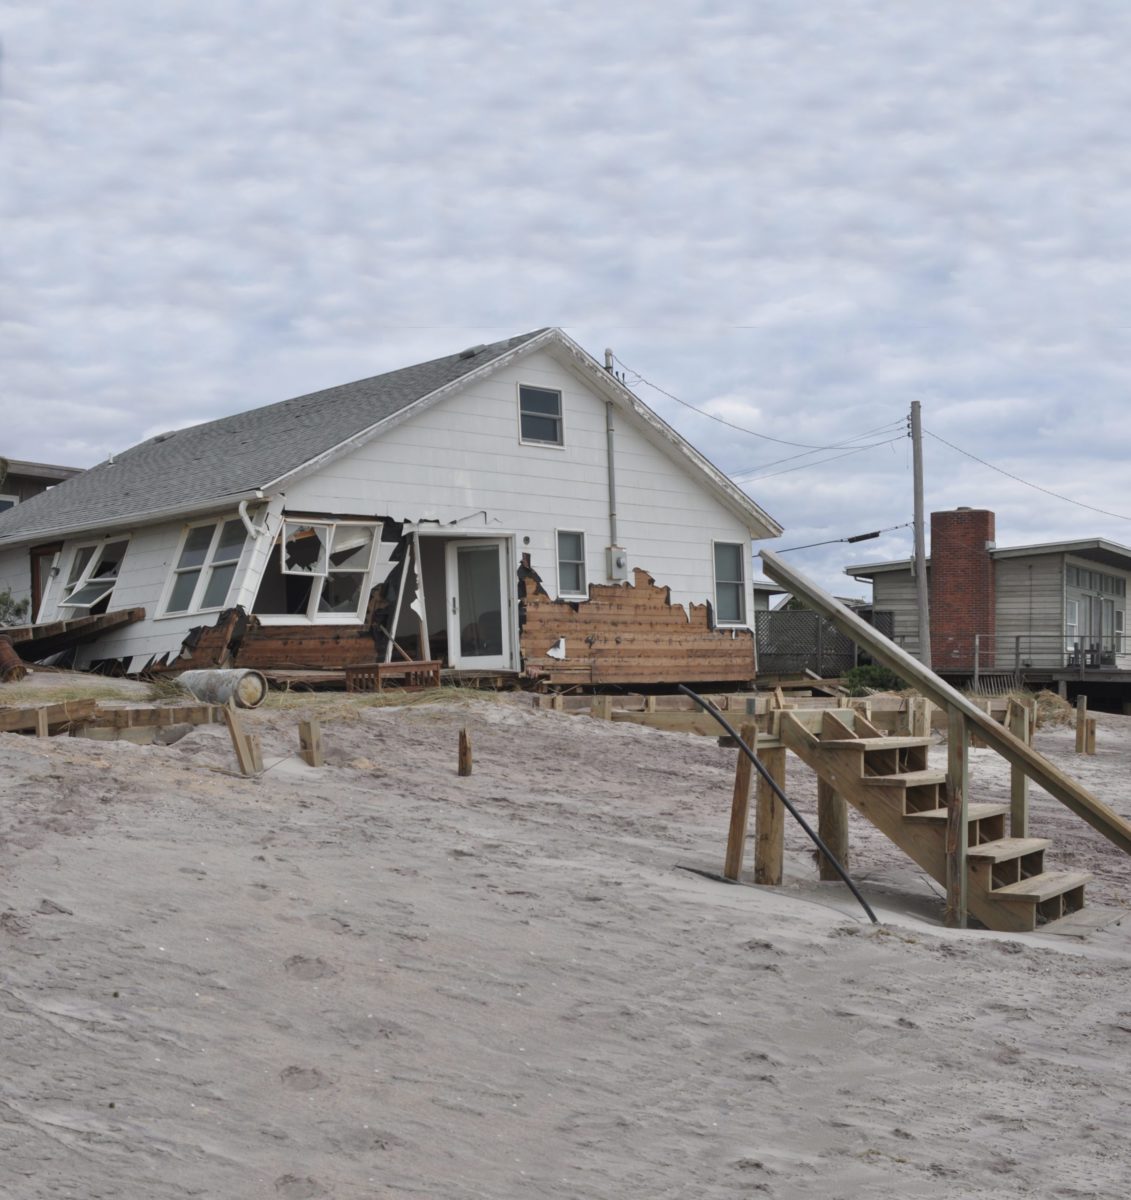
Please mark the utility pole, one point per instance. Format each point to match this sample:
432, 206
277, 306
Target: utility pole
920, 539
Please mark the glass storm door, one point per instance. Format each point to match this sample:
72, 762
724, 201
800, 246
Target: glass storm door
478, 605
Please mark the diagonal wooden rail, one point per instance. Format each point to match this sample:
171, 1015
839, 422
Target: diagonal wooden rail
1078, 799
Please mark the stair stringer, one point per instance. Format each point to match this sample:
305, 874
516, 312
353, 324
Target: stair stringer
924, 842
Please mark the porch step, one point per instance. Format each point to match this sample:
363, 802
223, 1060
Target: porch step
1042, 887
874, 743
905, 779
974, 812
1006, 848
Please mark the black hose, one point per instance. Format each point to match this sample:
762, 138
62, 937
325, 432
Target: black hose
814, 836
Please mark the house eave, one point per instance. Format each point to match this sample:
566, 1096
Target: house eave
129, 521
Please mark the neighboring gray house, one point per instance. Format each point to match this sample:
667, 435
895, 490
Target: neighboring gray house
513, 507
21, 480
1057, 606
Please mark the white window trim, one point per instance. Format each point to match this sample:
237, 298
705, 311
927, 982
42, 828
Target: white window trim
357, 618
561, 417
743, 554
562, 593
204, 569
69, 589
14, 499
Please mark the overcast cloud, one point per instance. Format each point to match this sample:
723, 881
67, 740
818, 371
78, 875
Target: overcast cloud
800, 217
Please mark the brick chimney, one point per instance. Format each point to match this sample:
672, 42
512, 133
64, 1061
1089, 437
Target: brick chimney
961, 588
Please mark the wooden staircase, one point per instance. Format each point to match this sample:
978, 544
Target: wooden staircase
888, 779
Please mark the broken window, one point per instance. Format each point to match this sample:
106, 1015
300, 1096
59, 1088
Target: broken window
571, 563
540, 415
730, 583
319, 571
93, 573
206, 566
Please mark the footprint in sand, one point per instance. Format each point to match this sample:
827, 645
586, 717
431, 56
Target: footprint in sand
329, 924
295, 1187
301, 967
303, 1079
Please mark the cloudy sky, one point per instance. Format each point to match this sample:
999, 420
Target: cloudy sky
798, 217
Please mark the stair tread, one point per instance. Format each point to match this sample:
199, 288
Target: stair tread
1043, 887
905, 779
877, 743
1007, 848
974, 812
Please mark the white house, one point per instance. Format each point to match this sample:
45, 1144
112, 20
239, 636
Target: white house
513, 507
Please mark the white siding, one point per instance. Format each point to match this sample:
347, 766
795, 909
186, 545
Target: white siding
141, 584
462, 460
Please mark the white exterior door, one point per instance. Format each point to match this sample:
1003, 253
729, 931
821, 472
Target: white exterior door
479, 604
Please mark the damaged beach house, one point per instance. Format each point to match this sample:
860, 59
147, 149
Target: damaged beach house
512, 510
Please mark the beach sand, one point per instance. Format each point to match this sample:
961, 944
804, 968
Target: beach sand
379, 979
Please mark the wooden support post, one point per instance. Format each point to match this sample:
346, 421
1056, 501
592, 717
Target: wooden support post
241, 743
769, 822
740, 806
650, 704
42, 726
957, 786
602, 708
310, 743
556, 702
464, 752
255, 748
1017, 721
1081, 722
1090, 736
832, 825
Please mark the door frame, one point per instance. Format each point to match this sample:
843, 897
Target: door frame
508, 566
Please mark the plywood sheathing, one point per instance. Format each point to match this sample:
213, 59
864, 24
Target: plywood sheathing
627, 634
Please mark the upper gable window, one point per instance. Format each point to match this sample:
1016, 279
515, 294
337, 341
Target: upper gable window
93, 573
206, 566
8, 502
540, 416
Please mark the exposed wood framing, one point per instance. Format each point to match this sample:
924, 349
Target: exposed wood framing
628, 634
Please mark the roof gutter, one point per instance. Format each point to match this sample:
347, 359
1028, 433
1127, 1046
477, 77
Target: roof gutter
132, 520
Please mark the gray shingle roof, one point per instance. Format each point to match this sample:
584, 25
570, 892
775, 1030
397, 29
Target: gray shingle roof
202, 465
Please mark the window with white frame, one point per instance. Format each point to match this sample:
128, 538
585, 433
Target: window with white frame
92, 575
571, 563
206, 566
730, 583
7, 502
1071, 623
317, 571
540, 416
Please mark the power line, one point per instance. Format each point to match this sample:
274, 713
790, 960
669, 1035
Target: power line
857, 537
823, 461
892, 425
638, 378
1035, 486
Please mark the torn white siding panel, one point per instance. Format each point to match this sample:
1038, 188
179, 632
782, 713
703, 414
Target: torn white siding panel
464, 457
269, 518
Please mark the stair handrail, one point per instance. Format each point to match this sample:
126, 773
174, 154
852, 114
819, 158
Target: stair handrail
1071, 794
759, 766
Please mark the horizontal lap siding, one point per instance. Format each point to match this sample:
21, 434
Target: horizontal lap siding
463, 455
1030, 601
895, 592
